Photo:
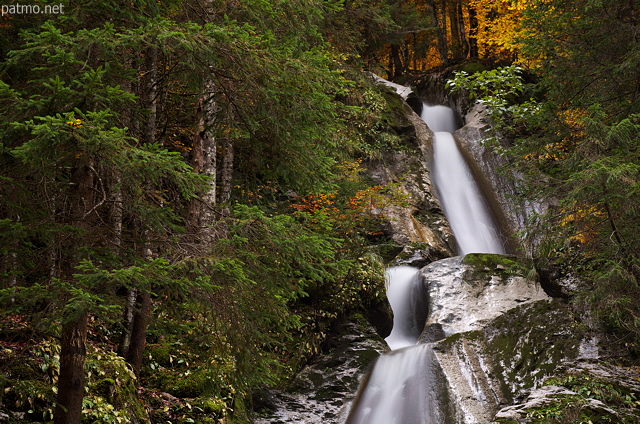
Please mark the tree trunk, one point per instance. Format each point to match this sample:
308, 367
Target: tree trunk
150, 98
71, 382
473, 33
397, 61
74, 333
129, 314
464, 42
140, 320
138, 302
456, 45
138, 338
226, 176
204, 161
440, 21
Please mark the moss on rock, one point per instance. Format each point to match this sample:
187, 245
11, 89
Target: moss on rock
528, 343
500, 265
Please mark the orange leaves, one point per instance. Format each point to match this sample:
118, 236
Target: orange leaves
498, 26
357, 214
314, 203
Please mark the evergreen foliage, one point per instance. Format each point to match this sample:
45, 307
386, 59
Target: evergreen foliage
98, 122
110, 112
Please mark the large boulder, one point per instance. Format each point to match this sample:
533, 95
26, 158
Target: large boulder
498, 337
466, 292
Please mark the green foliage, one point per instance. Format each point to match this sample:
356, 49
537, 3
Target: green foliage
500, 90
579, 405
93, 207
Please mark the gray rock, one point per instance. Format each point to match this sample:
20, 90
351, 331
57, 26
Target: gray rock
467, 292
323, 391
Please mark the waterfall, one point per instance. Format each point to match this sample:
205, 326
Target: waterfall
403, 289
399, 388
404, 386
463, 202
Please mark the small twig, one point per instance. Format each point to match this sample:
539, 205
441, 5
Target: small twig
104, 193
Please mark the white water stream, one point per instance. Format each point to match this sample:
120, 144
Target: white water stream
401, 389
402, 282
398, 389
462, 200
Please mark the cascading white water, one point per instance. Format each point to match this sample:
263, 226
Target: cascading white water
403, 386
462, 200
397, 390
401, 284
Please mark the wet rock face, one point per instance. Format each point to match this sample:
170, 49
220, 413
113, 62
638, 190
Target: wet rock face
510, 357
500, 182
322, 393
497, 335
421, 219
465, 293
593, 392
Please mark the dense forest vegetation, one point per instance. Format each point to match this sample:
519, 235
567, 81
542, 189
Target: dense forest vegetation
183, 207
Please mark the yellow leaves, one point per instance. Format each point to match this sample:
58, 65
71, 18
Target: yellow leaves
558, 150
498, 26
74, 123
351, 169
584, 219
553, 151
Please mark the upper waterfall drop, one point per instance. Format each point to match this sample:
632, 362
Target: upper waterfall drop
464, 205
439, 118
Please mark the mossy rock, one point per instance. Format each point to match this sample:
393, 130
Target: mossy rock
473, 67
190, 386
113, 386
105, 388
160, 354
530, 342
501, 265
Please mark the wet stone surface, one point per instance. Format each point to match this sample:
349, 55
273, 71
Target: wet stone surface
324, 390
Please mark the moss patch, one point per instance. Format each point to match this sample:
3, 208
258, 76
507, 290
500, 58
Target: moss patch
528, 344
504, 264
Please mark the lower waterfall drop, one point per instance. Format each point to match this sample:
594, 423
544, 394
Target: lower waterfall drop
397, 391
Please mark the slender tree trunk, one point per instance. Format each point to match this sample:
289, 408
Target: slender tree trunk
226, 176
204, 161
456, 37
440, 21
397, 61
74, 333
116, 215
129, 313
473, 33
150, 84
140, 322
464, 42
72, 373
115, 221
138, 302
138, 342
